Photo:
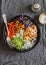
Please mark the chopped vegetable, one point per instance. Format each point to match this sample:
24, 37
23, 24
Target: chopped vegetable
27, 44
26, 21
20, 34
14, 28
18, 41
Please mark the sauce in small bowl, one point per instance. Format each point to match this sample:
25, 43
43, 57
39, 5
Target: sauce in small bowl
42, 18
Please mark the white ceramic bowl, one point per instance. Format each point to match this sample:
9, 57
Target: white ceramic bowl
42, 18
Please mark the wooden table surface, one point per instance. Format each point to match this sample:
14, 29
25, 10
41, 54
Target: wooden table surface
36, 56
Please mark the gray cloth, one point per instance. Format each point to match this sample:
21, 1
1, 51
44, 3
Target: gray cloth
36, 56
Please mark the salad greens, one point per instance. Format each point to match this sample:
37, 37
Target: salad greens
18, 42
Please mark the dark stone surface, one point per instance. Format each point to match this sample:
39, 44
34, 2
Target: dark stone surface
36, 56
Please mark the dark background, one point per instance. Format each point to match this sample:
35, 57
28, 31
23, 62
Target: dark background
36, 56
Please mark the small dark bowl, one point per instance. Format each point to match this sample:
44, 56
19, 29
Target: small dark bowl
38, 34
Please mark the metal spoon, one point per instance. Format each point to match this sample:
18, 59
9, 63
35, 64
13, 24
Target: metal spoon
8, 38
5, 21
